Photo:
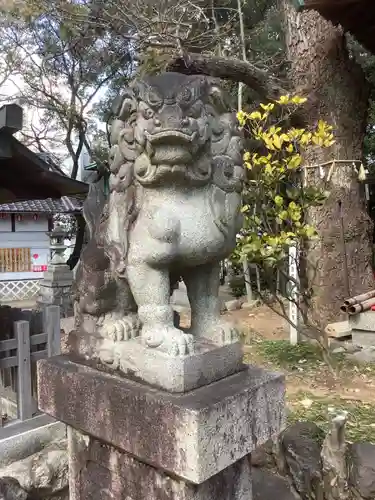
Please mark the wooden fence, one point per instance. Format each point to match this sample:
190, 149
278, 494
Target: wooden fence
20, 349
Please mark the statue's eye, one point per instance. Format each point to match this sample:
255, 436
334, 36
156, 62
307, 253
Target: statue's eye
146, 111
196, 109
154, 100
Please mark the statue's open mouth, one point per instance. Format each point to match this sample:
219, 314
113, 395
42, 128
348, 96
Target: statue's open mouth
170, 147
170, 136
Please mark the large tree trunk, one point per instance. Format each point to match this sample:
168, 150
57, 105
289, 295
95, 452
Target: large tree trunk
334, 84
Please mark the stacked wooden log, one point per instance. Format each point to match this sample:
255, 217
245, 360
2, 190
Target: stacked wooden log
359, 303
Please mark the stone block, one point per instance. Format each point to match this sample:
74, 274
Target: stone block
365, 356
193, 435
207, 364
17, 441
250, 305
363, 338
233, 305
339, 329
361, 460
42, 473
102, 472
363, 321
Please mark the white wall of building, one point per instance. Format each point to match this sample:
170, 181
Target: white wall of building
28, 233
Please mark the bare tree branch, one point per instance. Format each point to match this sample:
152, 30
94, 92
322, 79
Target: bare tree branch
234, 70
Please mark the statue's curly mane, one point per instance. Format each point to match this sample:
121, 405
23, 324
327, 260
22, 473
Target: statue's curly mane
128, 149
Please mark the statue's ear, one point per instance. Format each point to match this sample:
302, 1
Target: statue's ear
124, 105
218, 98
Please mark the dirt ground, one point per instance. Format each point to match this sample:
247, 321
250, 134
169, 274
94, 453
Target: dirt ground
349, 382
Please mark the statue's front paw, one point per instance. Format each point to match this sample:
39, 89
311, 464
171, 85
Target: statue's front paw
180, 345
223, 333
169, 339
121, 329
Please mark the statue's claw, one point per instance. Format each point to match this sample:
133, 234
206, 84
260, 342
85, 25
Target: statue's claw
169, 339
121, 329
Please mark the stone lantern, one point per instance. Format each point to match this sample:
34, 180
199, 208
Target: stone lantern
55, 288
57, 245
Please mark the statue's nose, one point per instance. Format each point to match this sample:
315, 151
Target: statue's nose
171, 117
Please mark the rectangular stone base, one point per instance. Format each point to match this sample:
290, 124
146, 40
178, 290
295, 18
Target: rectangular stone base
193, 436
363, 321
207, 364
102, 472
363, 338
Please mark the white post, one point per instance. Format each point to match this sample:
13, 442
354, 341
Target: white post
293, 309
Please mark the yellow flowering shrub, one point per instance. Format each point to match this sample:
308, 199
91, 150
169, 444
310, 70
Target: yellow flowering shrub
275, 197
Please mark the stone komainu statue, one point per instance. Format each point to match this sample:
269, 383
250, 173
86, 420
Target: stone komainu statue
173, 210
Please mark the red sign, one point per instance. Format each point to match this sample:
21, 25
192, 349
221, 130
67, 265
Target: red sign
39, 269
35, 256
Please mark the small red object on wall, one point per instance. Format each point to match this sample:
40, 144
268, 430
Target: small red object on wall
39, 269
35, 255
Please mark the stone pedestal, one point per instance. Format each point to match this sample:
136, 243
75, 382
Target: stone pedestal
130, 441
363, 328
101, 472
56, 288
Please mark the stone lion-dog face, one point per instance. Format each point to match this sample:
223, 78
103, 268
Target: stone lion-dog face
168, 127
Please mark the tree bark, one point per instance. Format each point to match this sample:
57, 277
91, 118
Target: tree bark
337, 92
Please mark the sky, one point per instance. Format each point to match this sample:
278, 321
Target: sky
32, 118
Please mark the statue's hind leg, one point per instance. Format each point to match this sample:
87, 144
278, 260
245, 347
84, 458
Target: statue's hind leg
202, 283
151, 291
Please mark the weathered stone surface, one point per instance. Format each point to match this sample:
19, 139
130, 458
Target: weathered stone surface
263, 456
361, 463
363, 321
194, 435
208, 363
364, 356
351, 348
31, 437
233, 305
175, 179
55, 288
103, 473
250, 305
301, 445
10, 489
339, 350
45, 472
269, 486
334, 453
363, 338
338, 330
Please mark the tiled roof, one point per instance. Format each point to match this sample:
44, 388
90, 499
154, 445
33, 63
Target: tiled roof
65, 204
